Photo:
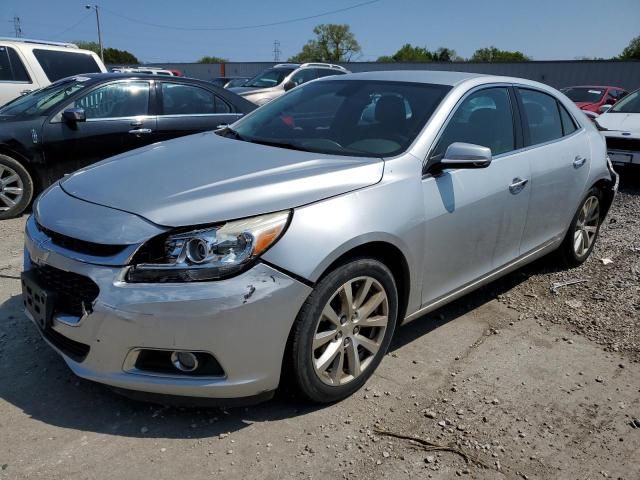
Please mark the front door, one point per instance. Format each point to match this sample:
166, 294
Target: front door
117, 120
475, 217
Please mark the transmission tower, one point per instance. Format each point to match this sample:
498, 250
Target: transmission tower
16, 27
276, 51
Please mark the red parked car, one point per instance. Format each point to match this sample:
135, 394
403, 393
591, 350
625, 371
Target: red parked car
591, 98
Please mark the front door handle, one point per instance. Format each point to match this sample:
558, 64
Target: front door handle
140, 131
517, 185
579, 161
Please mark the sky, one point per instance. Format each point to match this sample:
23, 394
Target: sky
183, 31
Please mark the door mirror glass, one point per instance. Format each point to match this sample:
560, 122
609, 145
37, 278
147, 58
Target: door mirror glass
466, 155
74, 115
289, 85
604, 108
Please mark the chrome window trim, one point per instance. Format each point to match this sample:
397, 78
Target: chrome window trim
21, 82
111, 119
201, 115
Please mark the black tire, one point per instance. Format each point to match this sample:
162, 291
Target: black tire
301, 359
9, 167
567, 251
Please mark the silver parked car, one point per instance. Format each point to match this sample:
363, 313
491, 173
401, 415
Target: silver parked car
281, 78
293, 243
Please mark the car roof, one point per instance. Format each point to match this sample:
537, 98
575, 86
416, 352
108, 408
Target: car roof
418, 76
595, 86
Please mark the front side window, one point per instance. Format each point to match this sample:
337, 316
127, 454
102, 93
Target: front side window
325, 117
11, 67
60, 64
629, 104
542, 116
269, 78
116, 100
483, 118
190, 100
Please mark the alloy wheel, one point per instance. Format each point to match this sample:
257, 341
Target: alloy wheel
350, 331
11, 188
586, 226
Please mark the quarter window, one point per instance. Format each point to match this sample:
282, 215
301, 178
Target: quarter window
568, 126
542, 116
11, 67
190, 100
484, 118
116, 100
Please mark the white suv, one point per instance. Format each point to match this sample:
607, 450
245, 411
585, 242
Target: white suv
27, 65
282, 77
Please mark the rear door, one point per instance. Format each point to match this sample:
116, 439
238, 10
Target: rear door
14, 77
558, 151
184, 109
118, 119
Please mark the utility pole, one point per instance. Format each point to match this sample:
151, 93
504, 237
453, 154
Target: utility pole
16, 27
97, 9
276, 51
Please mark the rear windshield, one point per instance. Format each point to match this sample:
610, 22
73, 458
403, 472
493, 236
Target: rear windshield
584, 94
57, 64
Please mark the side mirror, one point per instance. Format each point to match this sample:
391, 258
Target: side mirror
466, 155
74, 115
288, 85
604, 108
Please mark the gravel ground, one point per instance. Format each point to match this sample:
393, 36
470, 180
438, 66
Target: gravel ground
520, 381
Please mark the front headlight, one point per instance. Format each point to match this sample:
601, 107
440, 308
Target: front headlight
207, 253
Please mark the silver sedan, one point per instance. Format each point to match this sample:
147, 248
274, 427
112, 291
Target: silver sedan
294, 242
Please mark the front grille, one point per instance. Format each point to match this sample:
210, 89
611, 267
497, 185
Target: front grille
72, 349
618, 143
81, 246
71, 290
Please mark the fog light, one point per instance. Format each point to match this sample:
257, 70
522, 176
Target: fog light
184, 361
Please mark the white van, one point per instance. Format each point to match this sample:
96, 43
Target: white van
27, 65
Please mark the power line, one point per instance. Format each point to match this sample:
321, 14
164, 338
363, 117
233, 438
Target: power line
243, 27
57, 35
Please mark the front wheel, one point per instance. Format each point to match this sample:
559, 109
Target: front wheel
583, 231
343, 330
16, 188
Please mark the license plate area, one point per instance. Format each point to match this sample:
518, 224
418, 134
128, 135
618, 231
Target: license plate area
38, 301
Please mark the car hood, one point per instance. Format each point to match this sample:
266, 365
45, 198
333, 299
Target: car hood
206, 178
627, 122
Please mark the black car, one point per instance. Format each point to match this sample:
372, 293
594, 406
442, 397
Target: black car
83, 119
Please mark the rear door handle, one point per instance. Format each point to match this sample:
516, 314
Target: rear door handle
579, 161
140, 131
517, 185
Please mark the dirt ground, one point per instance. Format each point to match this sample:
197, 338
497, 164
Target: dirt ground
524, 382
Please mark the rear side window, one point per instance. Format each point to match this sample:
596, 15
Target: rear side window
190, 100
542, 117
568, 125
58, 64
303, 76
11, 67
484, 118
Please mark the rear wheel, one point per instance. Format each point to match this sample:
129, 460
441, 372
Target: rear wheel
343, 330
16, 188
583, 231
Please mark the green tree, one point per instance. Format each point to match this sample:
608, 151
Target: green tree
111, 55
493, 54
333, 43
632, 51
212, 60
410, 53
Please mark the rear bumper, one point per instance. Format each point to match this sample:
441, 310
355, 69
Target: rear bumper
243, 322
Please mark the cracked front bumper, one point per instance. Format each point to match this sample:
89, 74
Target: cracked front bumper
244, 322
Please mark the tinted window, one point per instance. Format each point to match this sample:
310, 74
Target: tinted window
303, 76
269, 78
325, 117
190, 100
326, 72
484, 118
568, 126
542, 116
584, 94
115, 100
11, 67
629, 104
57, 64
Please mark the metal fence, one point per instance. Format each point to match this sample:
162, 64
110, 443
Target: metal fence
555, 73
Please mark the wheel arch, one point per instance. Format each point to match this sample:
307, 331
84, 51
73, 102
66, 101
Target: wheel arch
26, 163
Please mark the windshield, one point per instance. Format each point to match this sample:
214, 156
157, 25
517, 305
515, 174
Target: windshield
344, 117
629, 104
39, 101
584, 94
269, 78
